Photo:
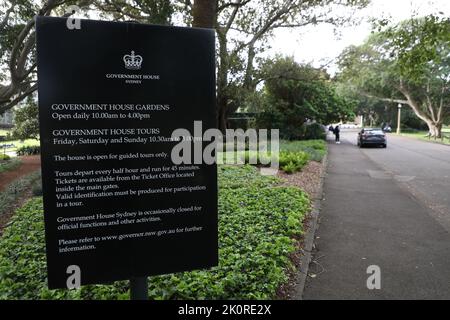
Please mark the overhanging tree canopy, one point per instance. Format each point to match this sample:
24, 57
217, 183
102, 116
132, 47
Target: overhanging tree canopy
408, 64
297, 93
243, 30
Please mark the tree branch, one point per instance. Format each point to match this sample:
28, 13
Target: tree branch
6, 17
385, 99
413, 104
15, 101
232, 4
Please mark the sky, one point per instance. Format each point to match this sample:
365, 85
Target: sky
320, 45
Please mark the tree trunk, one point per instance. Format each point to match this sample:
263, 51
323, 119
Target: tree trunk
435, 129
222, 113
248, 79
222, 82
204, 13
434, 124
205, 16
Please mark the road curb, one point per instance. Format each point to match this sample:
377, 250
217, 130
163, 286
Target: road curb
310, 226
423, 140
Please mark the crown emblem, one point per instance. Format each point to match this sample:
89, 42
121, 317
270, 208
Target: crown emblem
132, 61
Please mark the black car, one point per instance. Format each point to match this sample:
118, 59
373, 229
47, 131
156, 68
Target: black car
369, 136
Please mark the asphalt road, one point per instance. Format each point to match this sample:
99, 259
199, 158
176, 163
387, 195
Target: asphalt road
384, 207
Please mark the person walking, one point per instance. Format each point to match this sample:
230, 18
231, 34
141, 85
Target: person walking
331, 129
337, 133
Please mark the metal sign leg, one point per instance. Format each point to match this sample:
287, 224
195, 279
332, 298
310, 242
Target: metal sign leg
139, 288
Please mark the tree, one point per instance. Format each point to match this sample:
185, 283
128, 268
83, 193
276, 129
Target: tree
17, 38
297, 94
26, 121
409, 64
144, 11
243, 29
17, 35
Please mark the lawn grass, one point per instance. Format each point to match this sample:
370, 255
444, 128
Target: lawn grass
422, 135
18, 144
258, 223
4, 132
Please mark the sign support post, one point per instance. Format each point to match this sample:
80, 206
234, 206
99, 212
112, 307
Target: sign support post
139, 288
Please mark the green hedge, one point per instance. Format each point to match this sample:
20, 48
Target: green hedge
314, 131
28, 150
258, 221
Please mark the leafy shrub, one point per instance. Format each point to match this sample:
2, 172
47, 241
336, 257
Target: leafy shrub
291, 162
316, 149
28, 150
4, 157
257, 226
288, 104
26, 121
231, 143
314, 131
256, 158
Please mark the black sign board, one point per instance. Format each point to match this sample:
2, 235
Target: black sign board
110, 96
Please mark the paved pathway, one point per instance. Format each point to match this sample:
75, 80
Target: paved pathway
385, 207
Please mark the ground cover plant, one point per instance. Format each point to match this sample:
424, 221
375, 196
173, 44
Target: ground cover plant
293, 155
316, 149
258, 224
7, 164
16, 189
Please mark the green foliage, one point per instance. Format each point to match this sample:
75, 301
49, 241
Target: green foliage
257, 226
15, 190
28, 150
4, 157
36, 188
421, 46
26, 121
291, 162
408, 63
23, 253
7, 164
316, 149
314, 131
146, 11
296, 93
232, 177
257, 158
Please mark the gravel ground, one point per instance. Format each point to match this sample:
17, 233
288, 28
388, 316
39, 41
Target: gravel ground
308, 179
